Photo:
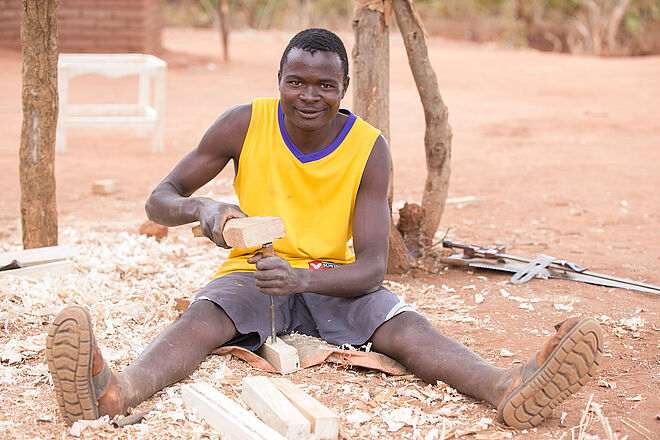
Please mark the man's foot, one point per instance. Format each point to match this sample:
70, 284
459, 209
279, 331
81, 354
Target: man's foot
566, 362
80, 375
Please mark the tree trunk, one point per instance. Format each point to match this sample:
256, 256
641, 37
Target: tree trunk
371, 94
37, 150
223, 14
249, 14
305, 13
437, 138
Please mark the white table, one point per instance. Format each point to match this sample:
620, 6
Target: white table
141, 116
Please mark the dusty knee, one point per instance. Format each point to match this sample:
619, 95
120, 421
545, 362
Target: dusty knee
401, 334
208, 322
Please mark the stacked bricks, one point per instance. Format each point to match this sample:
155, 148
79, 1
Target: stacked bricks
10, 23
94, 26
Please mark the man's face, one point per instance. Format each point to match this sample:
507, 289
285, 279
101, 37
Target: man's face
311, 88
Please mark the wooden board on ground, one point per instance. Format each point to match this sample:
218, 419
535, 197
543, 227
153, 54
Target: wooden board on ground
104, 187
325, 423
224, 415
283, 357
273, 408
54, 268
31, 257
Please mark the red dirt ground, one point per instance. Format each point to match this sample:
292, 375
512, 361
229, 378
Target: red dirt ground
561, 152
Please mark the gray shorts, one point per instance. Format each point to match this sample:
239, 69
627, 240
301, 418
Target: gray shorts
336, 320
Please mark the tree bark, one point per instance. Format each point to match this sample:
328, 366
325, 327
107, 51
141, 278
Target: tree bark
40, 105
223, 15
371, 69
437, 137
371, 95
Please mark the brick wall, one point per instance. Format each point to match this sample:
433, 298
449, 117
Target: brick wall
102, 26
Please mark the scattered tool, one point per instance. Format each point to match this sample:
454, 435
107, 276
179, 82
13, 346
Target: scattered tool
543, 266
261, 231
135, 417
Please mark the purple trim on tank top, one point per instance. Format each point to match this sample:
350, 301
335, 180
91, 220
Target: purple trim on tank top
306, 158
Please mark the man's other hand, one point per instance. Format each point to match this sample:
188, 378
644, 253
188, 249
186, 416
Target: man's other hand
275, 276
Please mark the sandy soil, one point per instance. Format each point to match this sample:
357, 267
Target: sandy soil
561, 152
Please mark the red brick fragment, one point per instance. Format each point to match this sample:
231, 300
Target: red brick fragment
152, 229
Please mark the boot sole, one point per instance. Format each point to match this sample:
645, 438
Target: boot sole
570, 365
69, 348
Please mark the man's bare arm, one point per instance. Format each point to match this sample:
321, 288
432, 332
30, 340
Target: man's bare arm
371, 226
170, 203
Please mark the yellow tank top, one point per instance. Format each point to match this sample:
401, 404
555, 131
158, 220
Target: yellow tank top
314, 193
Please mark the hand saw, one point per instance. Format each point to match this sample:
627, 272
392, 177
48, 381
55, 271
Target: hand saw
543, 267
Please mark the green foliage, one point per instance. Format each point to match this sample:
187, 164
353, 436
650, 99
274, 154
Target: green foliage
337, 13
463, 8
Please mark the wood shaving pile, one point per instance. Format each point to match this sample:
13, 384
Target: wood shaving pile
130, 284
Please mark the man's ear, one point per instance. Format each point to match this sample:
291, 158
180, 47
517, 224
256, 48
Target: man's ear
279, 77
347, 80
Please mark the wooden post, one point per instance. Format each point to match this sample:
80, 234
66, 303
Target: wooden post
40, 105
371, 94
437, 138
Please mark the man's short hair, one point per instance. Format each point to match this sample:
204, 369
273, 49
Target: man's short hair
317, 39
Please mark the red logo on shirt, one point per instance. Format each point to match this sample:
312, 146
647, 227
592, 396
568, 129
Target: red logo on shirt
322, 265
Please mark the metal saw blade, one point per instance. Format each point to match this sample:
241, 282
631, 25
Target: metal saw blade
509, 267
574, 276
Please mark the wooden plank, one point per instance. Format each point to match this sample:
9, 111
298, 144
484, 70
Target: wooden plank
282, 356
55, 268
30, 257
248, 232
325, 423
275, 409
224, 415
104, 187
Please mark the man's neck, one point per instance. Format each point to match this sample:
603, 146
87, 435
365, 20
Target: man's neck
309, 142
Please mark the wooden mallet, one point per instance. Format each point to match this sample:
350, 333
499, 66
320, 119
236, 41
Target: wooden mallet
247, 232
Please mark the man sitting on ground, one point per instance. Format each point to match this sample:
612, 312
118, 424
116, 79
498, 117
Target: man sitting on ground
325, 172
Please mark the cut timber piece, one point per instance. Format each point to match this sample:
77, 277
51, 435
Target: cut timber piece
55, 268
104, 187
31, 257
273, 408
282, 356
325, 423
225, 416
248, 232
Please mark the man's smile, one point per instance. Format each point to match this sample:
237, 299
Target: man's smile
308, 112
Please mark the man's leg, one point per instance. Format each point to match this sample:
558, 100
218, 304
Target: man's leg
175, 353
432, 356
524, 395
